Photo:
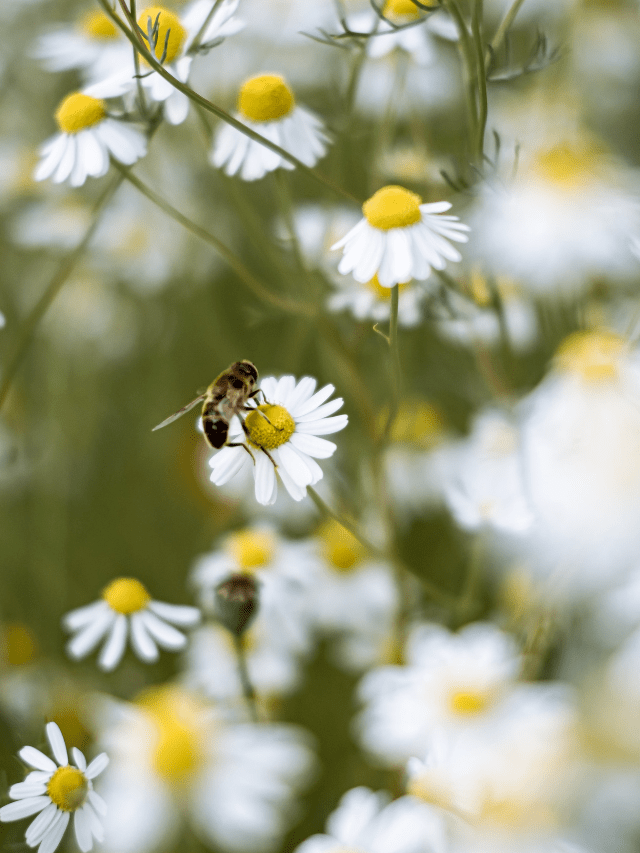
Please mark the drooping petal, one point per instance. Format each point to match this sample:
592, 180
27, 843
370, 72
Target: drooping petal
113, 649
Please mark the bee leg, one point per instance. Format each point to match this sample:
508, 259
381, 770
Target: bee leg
262, 414
273, 461
242, 444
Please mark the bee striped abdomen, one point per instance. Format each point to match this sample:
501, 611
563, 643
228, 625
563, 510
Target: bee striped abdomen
215, 431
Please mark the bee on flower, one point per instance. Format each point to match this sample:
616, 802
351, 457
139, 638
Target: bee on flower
55, 790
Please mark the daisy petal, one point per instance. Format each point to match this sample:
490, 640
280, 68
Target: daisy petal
325, 426
97, 802
314, 402
38, 827
83, 616
23, 808
89, 637
24, 790
303, 391
266, 488
113, 649
94, 823
57, 744
314, 446
142, 643
178, 614
80, 760
54, 836
97, 766
34, 758
82, 830
165, 635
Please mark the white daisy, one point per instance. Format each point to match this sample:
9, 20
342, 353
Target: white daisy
54, 792
126, 607
176, 35
369, 822
371, 301
88, 137
400, 238
290, 438
174, 757
95, 45
266, 105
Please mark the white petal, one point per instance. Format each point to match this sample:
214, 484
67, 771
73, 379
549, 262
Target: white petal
314, 446
51, 156
435, 207
165, 635
97, 766
95, 826
82, 830
57, 744
321, 411
95, 155
90, 636
297, 492
34, 758
178, 614
269, 386
23, 790
23, 808
37, 828
55, 833
314, 402
226, 464
266, 487
67, 161
83, 616
39, 776
324, 427
125, 144
142, 643
176, 108
286, 386
294, 465
80, 760
349, 235
97, 802
303, 391
113, 649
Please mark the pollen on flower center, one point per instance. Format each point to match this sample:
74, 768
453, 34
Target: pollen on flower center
396, 10
265, 98
568, 167
392, 207
383, 292
68, 788
339, 547
593, 355
168, 22
251, 548
469, 702
273, 433
78, 112
99, 26
126, 595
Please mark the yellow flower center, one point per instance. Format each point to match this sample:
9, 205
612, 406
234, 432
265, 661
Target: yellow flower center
99, 26
168, 22
430, 788
78, 112
593, 355
251, 549
68, 788
126, 595
467, 703
522, 814
568, 167
418, 423
20, 645
339, 547
177, 719
383, 293
273, 433
265, 98
392, 207
396, 10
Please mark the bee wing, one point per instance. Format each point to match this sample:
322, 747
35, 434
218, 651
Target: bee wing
180, 412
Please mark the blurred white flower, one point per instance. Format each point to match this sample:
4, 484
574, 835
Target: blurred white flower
126, 608
370, 301
451, 682
297, 417
173, 757
56, 790
267, 106
400, 238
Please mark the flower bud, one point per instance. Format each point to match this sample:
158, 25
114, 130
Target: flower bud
237, 602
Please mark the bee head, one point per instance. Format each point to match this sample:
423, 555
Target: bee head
244, 374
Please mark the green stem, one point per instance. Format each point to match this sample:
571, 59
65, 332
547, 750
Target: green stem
136, 62
247, 687
137, 42
501, 32
326, 510
195, 44
55, 285
394, 351
467, 49
253, 284
481, 75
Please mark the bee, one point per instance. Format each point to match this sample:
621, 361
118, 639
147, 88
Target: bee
227, 396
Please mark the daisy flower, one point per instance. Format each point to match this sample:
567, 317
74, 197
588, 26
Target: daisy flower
369, 822
400, 238
126, 607
371, 301
54, 790
175, 42
289, 440
266, 105
88, 137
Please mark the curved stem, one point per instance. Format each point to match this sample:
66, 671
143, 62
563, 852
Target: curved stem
483, 105
247, 687
503, 29
254, 285
131, 34
55, 285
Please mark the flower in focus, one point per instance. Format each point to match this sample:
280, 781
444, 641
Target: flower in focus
370, 823
88, 137
266, 105
55, 791
400, 238
290, 437
173, 755
126, 608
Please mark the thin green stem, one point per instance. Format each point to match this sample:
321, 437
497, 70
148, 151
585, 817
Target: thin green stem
136, 62
467, 50
252, 283
503, 28
55, 285
195, 44
394, 352
326, 510
136, 41
481, 76
247, 687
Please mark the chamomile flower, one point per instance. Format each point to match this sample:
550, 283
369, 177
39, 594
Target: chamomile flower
55, 790
266, 105
400, 238
371, 301
282, 435
126, 608
175, 46
88, 137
